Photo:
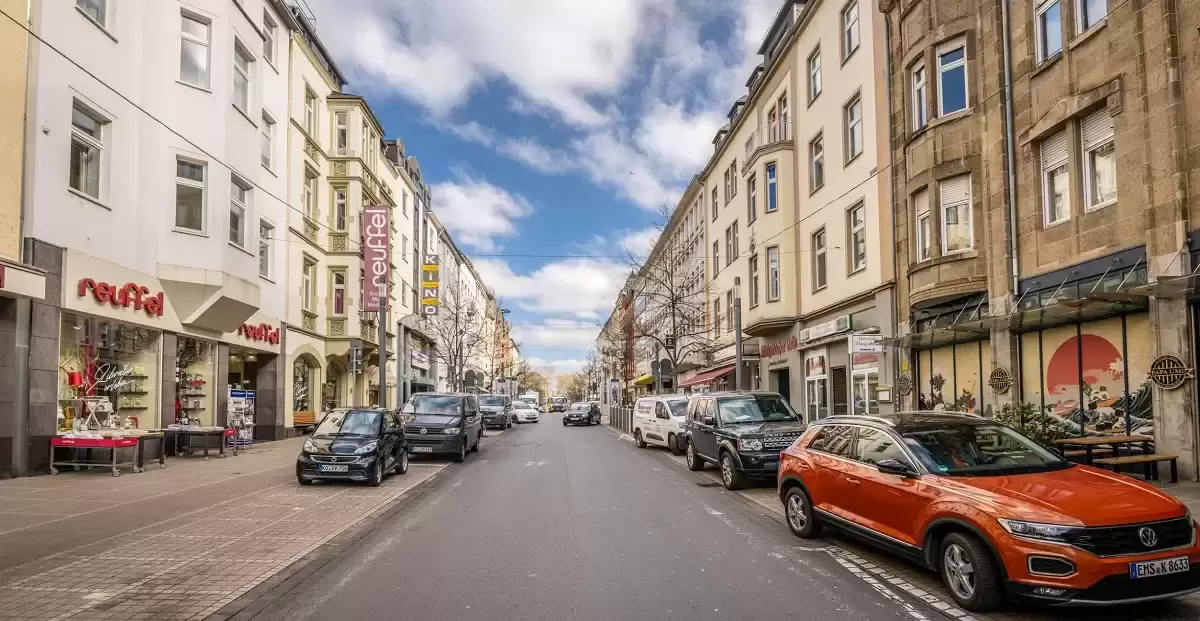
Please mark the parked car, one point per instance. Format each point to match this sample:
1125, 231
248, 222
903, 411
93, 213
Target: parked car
443, 423
659, 421
497, 411
742, 432
581, 413
355, 445
525, 413
995, 513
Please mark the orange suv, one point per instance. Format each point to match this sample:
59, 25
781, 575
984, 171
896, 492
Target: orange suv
996, 514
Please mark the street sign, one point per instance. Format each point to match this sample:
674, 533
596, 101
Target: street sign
866, 344
355, 357
376, 244
669, 341
430, 285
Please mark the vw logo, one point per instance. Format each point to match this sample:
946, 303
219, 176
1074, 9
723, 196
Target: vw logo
1148, 537
424, 431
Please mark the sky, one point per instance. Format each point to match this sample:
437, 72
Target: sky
552, 132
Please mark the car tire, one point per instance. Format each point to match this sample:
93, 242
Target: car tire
673, 444
969, 573
304, 481
509, 425
461, 455
803, 523
731, 477
376, 473
402, 462
637, 439
564, 422
694, 461
478, 439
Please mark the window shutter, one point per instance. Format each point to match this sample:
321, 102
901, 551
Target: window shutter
1097, 129
921, 202
955, 191
1054, 151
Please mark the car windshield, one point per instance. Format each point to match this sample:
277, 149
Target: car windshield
678, 407
491, 400
521, 405
978, 449
445, 405
558, 400
580, 407
349, 423
755, 409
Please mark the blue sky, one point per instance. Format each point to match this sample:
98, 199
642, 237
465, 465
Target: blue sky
552, 128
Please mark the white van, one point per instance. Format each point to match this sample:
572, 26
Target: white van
656, 420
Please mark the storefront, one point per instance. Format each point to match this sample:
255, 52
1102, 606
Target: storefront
951, 356
845, 368
779, 362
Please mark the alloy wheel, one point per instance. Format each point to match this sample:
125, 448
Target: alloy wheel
727, 470
960, 573
795, 511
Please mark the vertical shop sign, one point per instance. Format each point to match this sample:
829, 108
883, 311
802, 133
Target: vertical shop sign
376, 248
430, 287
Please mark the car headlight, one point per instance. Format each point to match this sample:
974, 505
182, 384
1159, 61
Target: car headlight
1055, 533
750, 445
369, 447
309, 447
451, 431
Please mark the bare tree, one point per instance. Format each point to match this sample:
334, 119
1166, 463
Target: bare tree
459, 330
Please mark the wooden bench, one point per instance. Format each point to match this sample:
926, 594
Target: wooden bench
304, 419
1150, 461
1084, 452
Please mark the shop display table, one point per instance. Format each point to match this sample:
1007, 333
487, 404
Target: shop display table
112, 445
161, 440
185, 441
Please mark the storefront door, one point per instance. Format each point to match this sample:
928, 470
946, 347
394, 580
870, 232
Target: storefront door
816, 385
781, 382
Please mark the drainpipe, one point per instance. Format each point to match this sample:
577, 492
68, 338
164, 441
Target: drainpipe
887, 31
1010, 158
30, 46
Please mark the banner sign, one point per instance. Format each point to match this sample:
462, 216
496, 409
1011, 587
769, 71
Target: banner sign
377, 231
866, 344
430, 287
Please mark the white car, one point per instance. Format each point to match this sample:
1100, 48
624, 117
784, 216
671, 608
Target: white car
525, 413
657, 420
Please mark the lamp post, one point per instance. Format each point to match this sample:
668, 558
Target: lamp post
737, 333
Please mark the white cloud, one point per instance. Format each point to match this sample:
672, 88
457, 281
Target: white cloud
477, 212
567, 287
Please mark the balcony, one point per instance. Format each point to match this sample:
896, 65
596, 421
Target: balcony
776, 132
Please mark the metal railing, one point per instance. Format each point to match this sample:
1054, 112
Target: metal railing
772, 133
620, 418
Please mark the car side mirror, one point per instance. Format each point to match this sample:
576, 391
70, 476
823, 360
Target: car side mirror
709, 420
896, 467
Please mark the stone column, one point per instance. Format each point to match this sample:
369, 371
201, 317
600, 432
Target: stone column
8, 388
170, 345
1174, 410
221, 386
45, 319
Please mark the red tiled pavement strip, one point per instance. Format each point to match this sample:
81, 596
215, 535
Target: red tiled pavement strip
174, 544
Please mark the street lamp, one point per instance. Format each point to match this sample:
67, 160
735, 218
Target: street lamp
737, 333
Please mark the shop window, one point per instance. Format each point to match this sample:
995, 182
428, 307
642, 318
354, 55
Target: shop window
1056, 203
303, 376
816, 386
952, 78
924, 228
110, 374
195, 362
87, 149
1099, 160
957, 233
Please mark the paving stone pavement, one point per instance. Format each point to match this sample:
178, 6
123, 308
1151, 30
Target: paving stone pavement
183, 565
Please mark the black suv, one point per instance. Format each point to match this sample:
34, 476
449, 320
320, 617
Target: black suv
497, 411
354, 444
443, 423
744, 432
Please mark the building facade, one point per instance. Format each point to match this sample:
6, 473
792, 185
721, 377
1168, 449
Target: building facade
1044, 168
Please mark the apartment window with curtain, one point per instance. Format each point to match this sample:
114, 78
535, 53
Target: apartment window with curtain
1099, 160
308, 194
87, 149
814, 74
189, 195
850, 33
753, 269
268, 139
852, 114
772, 189
735, 253
243, 65
266, 248
1056, 205
729, 311
820, 265
952, 78
716, 258
310, 112
341, 132
339, 209
856, 226
339, 293
773, 274
1091, 12
1049, 29
924, 225
816, 163
239, 208
751, 199
957, 233
194, 51
269, 35
919, 104
308, 284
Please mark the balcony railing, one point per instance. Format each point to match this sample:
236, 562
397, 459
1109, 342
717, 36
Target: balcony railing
772, 133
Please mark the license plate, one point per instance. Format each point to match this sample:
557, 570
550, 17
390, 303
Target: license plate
331, 468
1166, 566
421, 449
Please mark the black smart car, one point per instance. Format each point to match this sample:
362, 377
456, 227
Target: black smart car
743, 432
354, 444
443, 423
582, 413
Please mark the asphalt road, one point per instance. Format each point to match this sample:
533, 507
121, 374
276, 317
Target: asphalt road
569, 524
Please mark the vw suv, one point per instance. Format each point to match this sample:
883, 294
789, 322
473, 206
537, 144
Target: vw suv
743, 432
996, 514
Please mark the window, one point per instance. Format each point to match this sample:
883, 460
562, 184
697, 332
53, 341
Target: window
735, 253
729, 311
751, 199
308, 290
753, 280
87, 149
341, 133
404, 203
856, 221
873, 445
339, 209
363, 137
814, 74
189, 195
715, 203
310, 112
716, 258
772, 191
1099, 160
952, 79
308, 194
773, 273
94, 9
239, 200
269, 28
957, 234
729, 245
717, 317
266, 245
1055, 193
404, 247
781, 131
924, 225
850, 29
854, 131
816, 163
268, 139
733, 177
1049, 30
820, 275
1091, 12
339, 293
920, 112
193, 60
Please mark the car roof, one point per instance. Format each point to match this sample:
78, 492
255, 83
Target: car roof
443, 394
743, 393
909, 421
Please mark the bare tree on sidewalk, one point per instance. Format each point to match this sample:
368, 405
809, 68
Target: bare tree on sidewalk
459, 330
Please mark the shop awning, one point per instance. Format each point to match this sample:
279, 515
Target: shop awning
706, 378
1069, 311
644, 380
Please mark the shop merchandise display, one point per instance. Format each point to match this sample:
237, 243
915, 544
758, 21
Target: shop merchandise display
194, 366
107, 374
241, 416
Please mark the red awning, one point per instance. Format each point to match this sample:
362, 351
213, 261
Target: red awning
705, 378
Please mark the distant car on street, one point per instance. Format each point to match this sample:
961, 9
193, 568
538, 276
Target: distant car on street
354, 444
558, 404
443, 423
497, 411
582, 413
525, 413
742, 432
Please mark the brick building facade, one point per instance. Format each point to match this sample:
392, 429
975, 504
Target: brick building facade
1044, 165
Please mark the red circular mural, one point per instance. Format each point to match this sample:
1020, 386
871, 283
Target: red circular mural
1101, 363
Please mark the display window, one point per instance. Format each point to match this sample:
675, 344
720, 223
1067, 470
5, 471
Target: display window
304, 375
864, 382
195, 368
952, 377
109, 375
816, 385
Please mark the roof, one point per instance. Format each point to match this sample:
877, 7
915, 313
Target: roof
902, 421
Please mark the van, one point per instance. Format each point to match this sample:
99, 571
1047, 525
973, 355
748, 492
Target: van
656, 420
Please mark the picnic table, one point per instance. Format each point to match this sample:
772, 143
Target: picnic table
1089, 443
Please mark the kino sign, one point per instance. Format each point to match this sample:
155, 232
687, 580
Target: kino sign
376, 241
430, 287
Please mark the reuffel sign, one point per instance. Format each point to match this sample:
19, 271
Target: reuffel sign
430, 287
377, 231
